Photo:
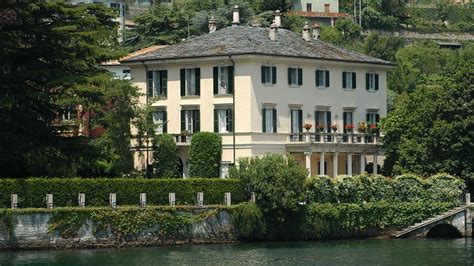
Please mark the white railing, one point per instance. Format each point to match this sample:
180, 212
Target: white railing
345, 138
182, 139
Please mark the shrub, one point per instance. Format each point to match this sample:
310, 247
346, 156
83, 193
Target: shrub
277, 180
373, 187
205, 155
321, 189
408, 187
249, 221
347, 189
165, 156
32, 192
445, 188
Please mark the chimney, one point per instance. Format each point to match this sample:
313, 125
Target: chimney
236, 17
273, 31
278, 18
316, 31
306, 32
212, 25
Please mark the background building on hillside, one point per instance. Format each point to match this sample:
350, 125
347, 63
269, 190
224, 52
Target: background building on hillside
323, 11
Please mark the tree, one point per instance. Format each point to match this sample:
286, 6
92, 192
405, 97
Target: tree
50, 52
383, 47
277, 180
165, 156
430, 130
205, 154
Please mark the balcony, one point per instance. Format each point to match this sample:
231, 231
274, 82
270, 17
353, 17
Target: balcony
182, 139
335, 138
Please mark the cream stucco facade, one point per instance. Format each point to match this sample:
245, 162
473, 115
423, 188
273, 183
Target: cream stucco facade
251, 96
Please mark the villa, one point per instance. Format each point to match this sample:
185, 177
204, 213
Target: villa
266, 90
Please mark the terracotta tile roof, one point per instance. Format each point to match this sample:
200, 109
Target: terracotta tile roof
253, 40
133, 54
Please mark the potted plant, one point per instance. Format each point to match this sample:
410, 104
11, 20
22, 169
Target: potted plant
320, 127
349, 128
334, 127
374, 129
308, 127
184, 133
361, 127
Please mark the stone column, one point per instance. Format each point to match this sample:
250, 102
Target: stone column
362, 163
374, 171
308, 162
335, 164
349, 164
321, 163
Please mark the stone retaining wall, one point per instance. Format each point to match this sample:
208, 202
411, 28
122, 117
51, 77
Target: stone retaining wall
32, 231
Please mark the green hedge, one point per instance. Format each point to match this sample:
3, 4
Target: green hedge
31, 192
369, 188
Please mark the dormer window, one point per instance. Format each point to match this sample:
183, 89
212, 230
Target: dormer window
295, 76
223, 80
269, 75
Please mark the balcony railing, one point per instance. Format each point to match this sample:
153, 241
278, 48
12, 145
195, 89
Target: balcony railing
183, 139
346, 138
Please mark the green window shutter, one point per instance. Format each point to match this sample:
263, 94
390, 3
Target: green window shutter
182, 75
274, 120
215, 71
274, 75
316, 118
300, 76
367, 118
150, 84
376, 82
196, 121
317, 78
344, 83
230, 120
289, 76
344, 121
164, 82
197, 74
367, 81
183, 120
300, 118
328, 119
165, 121
377, 118
327, 78
216, 120
354, 79
264, 129
262, 72
230, 82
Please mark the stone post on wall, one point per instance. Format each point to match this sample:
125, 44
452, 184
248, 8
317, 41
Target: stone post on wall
14, 201
49, 201
113, 200
172, 199
468, 215
143, 200
227, 199
81, 200
200, 199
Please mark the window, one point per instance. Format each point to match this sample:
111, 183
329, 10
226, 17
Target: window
115, 6
322, 78
126, 74
309, 7
159, 121
223, 120
372, 82
190, 121
296, 121
372, 118
322, 120
69, 113
157, 83
348, 80
190, 81
223, 80
269, 74
347, 119
269, 120
326, 8
295, 76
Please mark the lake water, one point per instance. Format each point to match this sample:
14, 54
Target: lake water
337, 252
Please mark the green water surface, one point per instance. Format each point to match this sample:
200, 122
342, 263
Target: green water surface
337, 252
